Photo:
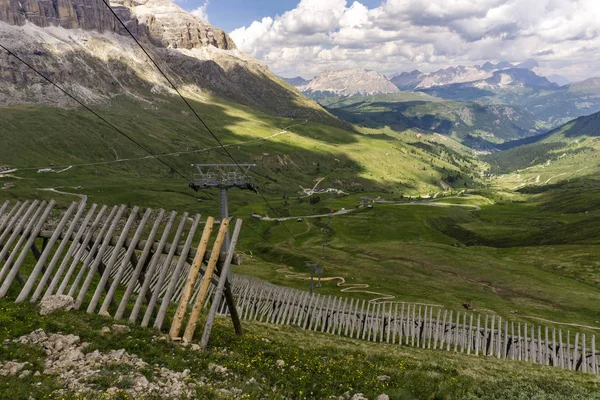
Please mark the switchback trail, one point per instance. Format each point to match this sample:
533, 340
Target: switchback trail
348, 287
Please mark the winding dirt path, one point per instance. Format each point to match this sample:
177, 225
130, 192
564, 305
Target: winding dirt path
81, 196
348, 287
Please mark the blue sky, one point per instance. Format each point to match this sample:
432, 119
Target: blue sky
232, 14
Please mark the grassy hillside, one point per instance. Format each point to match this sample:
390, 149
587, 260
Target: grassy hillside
289, 153
316, 366
569, 152
441, 253
473, 124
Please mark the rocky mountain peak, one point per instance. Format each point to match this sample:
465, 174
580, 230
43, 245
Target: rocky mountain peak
160, 22
348, 82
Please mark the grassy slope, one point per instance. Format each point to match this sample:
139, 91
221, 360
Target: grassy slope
465, 121
37, 137
569, 152
435, 255
438, 255
421, 250
323, 365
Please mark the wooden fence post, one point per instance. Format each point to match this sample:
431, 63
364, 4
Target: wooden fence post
191, 280
206, 281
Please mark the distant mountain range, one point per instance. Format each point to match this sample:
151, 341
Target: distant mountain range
542, 103
345, 82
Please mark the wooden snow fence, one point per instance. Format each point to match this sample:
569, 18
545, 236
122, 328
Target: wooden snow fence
416, 325
97, 255
130, 264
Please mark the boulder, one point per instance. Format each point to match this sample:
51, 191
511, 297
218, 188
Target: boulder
50, 304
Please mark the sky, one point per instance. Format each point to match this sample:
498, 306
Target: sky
306, 37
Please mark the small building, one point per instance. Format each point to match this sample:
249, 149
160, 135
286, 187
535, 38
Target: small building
4, 168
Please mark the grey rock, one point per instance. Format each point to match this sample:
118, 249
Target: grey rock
50, 304
358, 396
383, 396
280, 363
383, 378
12, 368
116, 328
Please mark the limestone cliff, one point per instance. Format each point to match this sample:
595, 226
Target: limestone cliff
80, 46
159, 21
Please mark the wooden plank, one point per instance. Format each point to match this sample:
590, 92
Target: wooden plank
583, 354
316, 313
80, 250
365, 321
568, 350
26, 223
442, 329
505, 347
395, 328
408, 329
163, 273
296, 320
205, 282
594, 365
57, 256
98, 257
32, 232
540, 347
221, 287
499, 338
285, 301
554, 350
37, 269
478, 337
372, 317
463, 333
14, 229
191, 280
149, 273
490, 351
533, 350
112, 261
307, 318
449, 332
4, 207
72, 249
561, 351
139, 265
457, 332
124, 263
2, 210
91, 252
470, 335
11, 219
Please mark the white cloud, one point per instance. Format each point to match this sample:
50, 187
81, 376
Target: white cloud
200, 12
402, 35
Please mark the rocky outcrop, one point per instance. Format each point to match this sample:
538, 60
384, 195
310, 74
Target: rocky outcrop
170, 26
98, 65
158, 21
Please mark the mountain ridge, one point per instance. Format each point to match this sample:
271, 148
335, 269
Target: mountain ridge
81, 47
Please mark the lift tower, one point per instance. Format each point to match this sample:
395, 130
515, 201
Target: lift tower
223, 177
